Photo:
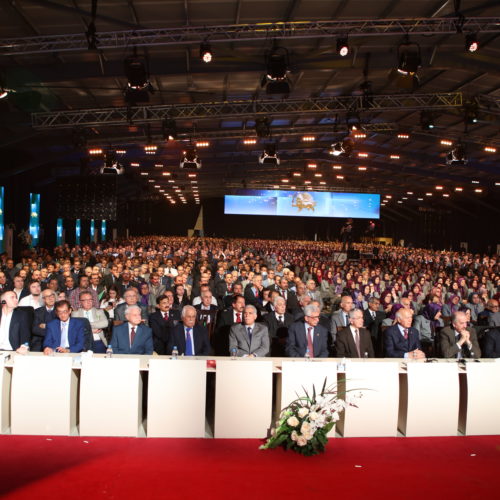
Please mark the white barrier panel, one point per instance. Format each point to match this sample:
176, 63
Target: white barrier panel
176, 398
483, 402
5, 380
376, 414
432, 400
44, 395
110, 397
300, 375
243, 398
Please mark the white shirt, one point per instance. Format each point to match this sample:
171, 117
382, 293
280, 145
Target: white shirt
197, 300
29, 300
4, 332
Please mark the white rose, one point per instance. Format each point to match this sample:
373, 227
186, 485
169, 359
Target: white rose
305, 428
292, 421
335, 416
301, 441
313, 416
294, 436
303, 412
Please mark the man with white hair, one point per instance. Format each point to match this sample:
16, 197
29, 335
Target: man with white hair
132, 337
402, 340
189, 338
355, 341
278, 322
250, 339
458, 341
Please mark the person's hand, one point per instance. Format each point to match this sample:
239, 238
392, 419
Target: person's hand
48, 351
464, 337
22, 350
96, 330
42, 326
61, 349
416, 354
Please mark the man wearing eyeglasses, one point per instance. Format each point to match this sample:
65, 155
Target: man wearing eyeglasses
307, 335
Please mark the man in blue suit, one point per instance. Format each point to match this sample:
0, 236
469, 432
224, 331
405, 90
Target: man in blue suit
132, 337
401, 340
189, 338
307, 334
64, 334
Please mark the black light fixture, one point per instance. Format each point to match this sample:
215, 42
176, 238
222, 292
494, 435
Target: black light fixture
353, 121
138, 84
342, 46
471, 42
345, 147
457, 156
206, 54
427, 120
189, 159
111, 165
277, 67
169, 129
269, 156
262, 126
409, 61
471, 109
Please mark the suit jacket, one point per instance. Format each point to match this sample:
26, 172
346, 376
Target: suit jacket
207, 318
346, 347
296, 344
99, 321
161, 329
76, 334
278, 332
143, 341
41, 315
395, 345
292, 304
120, 312
200, 340
448, 344
337, 323
251, 298
491, 343
19, 330
259, 345
220, 339
373, 324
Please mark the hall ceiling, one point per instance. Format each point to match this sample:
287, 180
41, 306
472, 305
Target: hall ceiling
68, 98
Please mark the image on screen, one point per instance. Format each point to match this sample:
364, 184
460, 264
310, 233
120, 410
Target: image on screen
303, 204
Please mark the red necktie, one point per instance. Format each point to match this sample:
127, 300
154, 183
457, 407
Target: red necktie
238, 317
132, 336
310, 341
405, 331
165, 316
256, 292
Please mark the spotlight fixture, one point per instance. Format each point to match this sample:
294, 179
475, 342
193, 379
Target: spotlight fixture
206, 54
277, 65
344, 147
262, 126
169, 129
111, 165
471, 42
427, 120
138, 85
471, 112
409, 60
189, 159
457, 155
269, 156
342, 46
353, 122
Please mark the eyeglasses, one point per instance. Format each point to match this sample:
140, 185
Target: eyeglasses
313, 317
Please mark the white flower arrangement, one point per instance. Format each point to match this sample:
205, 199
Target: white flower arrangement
305, 423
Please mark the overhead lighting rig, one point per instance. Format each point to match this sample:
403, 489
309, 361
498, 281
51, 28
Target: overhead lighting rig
471, 42
206, 54
342, 46
269, 156
138, 85
189, 159
457, 155
277, 68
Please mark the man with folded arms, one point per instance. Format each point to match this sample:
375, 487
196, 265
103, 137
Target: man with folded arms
458, 341
97, 319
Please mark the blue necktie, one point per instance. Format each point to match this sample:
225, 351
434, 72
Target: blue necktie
189, 347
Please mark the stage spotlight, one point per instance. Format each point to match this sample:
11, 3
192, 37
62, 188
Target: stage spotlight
269, 156
471, 42
457, 156
277, 65
344, 147
190, 159
262, 126
427, 120
138, 84
169, 129
471, 112
206, 54
353, 122
111, 165
342, 46
3, 93
409, 60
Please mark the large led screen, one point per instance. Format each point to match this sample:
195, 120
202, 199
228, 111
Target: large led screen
303, 204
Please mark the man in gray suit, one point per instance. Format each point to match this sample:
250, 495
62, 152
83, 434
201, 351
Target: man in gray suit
314, 293
251, 339
458, 341
340, 318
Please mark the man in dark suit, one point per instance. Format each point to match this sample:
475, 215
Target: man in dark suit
125, 282
65, 334
237, 289
161, 322
277, 323
206, 312
373, 318
354, 341
249, 339
491, 343
253, 292
42, 316
307, 336
223, 289
132, 337
292, 304
458, 341
189, 338
225, 321
112, 277
14, 325
401, 340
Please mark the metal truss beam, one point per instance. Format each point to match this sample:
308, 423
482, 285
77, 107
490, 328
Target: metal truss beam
150, 114
248, 32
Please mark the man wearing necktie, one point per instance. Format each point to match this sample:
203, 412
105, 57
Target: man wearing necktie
373, 318
458, 341
278, 322
64, 334
402, 340
249, 338
97, 319
43, 316
253, 292
340, 318
161, 322
225, 320
189, 338
133, 336
355, 341
307, 334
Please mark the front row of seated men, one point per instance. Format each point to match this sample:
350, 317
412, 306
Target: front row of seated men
60, 331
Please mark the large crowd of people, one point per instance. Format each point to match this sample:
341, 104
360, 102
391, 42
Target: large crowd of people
249, 297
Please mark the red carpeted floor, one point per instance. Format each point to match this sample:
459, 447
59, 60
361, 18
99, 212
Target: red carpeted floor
404, 468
